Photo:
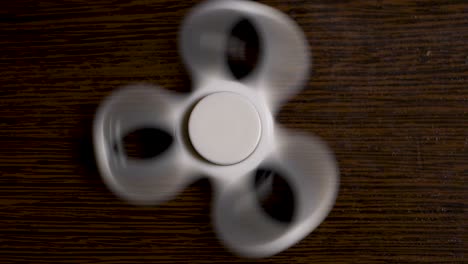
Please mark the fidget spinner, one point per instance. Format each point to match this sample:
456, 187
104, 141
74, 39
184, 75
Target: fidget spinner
224, 130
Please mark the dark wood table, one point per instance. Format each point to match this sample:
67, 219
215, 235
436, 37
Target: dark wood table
388, 91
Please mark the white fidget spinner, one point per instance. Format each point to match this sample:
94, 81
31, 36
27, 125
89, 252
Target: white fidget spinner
224, 130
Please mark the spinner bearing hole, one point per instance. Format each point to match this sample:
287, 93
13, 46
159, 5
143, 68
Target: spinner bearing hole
243, 49
146, 143
274, 195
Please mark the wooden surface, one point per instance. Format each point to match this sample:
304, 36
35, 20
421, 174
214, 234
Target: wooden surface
388, 92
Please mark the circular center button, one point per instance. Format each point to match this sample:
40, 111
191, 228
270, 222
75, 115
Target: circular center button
224, 128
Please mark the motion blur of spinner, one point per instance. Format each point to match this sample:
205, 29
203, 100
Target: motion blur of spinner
225, 130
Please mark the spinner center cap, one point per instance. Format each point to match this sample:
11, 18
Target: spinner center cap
224, 128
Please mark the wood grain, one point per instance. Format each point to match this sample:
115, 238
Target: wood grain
388, 91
